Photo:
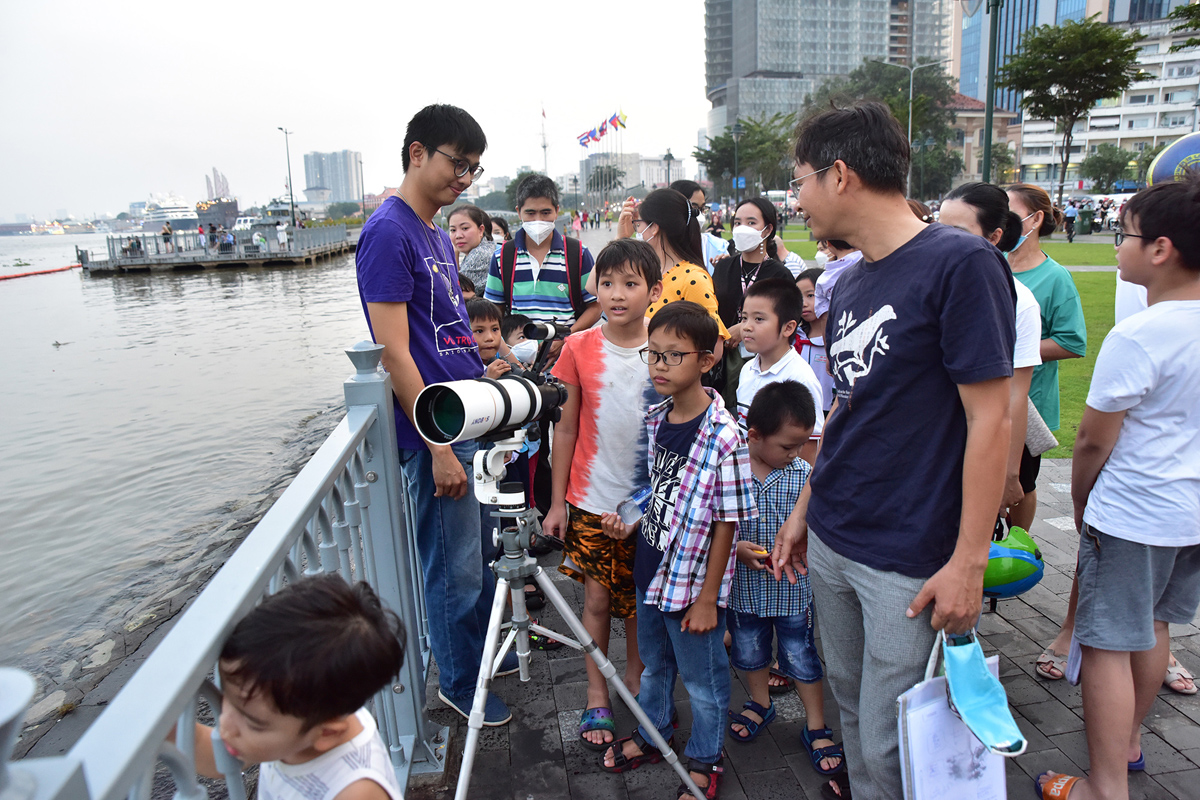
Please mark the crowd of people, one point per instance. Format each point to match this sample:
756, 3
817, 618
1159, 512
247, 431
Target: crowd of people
840, 438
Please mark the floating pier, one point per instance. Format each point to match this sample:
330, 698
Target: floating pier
148, 252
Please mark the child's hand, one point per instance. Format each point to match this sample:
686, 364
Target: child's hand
700, 618
555, 522
752, 555
498, 368
612, 527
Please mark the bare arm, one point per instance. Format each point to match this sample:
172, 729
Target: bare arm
588, 318
790, 556
701, 616
1018, 409
390, 324
956, 590
1053, 351
1094, 442
566, 430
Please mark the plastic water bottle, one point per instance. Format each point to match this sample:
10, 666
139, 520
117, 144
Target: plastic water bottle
631, 510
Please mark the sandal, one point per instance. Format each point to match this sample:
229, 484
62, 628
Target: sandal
1176, 673
750, 728
1139, 765
535, 600
1050, 660
777, 687
541, 642
597, 719
714, 772
837, 789
819, 754
623, 763
1056, 788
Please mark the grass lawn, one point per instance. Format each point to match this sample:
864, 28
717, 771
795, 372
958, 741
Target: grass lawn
1081, 254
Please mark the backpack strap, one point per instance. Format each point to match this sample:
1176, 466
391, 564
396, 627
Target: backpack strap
574, 251
508, 270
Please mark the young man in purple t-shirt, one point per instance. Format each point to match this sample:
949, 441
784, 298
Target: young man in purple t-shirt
408, 284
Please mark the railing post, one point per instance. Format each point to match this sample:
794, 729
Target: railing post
35, 778
394, 569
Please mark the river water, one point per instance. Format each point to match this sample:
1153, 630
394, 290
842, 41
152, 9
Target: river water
136, 410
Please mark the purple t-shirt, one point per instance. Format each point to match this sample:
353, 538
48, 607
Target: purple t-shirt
401, 260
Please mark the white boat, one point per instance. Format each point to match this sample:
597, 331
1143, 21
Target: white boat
169, 208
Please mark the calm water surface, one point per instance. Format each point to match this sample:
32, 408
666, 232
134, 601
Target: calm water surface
167, 398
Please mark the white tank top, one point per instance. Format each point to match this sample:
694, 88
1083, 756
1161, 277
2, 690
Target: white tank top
363, 757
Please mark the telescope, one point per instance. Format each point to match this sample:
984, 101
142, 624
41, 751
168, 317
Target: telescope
456, 411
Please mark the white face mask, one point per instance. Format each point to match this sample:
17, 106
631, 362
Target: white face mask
537, 229
641, 235
821, 258
746, 238
526, 350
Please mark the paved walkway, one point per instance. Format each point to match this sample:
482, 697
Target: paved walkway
538, 755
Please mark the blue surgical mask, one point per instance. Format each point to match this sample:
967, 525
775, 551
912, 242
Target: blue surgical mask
1023, 237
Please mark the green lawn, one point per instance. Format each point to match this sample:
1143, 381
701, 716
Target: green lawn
1081, 254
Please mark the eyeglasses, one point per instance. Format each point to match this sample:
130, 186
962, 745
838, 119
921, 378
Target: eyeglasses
462, 167
795, 182
672, 358
1121, 236
697, 210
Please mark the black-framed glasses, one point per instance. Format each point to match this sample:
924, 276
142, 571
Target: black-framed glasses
462, 167
1121, 236
795, 182
672, 358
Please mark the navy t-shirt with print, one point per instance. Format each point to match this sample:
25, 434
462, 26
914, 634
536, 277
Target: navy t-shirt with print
903, 333
402, 260
671, 449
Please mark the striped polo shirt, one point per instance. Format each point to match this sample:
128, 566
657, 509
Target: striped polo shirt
543, 296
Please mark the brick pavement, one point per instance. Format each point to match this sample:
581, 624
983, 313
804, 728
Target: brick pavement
538, 755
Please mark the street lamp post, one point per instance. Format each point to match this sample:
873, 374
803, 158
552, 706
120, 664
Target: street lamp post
994, 7
912, 68
362, 188
736, 132
575, 190
291, 187
668, 158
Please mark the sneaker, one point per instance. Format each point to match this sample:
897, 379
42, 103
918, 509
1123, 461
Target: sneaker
495, 712
509, 664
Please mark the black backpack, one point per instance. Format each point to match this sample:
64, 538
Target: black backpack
574, 250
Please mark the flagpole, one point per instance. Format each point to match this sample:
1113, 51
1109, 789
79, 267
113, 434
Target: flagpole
545, 158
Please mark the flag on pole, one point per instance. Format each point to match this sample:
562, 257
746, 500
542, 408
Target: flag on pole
604, 127
595, 137
622, 118
585, 138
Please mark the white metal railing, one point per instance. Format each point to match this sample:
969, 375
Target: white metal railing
193, 246
344, 513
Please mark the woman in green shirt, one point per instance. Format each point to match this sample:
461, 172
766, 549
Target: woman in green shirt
1064, 334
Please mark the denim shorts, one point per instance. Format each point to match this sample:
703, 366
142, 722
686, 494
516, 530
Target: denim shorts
1125, 586
752, 644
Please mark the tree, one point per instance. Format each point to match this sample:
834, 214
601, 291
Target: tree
763, 154
124, 215
604, 178
1106, 166
1146, 158
495, 201
1189, 22
933, 89
1002, 160
510, 192
341, 210
934, 169
1064, 70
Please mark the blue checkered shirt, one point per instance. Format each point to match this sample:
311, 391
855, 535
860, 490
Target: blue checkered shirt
756, 591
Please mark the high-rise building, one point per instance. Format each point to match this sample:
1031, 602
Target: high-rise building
765, 56
337, 172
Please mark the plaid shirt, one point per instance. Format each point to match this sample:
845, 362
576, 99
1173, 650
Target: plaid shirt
716, 486
755, 591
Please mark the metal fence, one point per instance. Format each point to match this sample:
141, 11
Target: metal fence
344, 513
233, 245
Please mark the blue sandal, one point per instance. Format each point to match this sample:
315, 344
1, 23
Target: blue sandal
597, 719
818, 754
751, 729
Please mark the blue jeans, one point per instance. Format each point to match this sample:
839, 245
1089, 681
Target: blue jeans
459, 584
701, 661
752, 636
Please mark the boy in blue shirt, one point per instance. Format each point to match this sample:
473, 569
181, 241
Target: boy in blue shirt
701, 488
780, 421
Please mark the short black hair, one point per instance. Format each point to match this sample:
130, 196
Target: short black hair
777, 404
1171, 210
440, 124
687, 188
503, 226
990, 203
841, 244
865, 136
784, 295
465, 283
477, 216
485, 310
318, 649
513, 322
689, 320
810, 274
639, 255
537, 186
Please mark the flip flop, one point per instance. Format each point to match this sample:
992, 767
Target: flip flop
597, 719
1178, 672
750, 728
1057, 788
778, 688
1139, 765
1049, 660
842, 792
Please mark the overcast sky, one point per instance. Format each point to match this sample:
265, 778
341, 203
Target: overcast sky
104, 103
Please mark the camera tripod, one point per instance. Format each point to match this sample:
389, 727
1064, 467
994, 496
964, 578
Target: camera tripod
512, 568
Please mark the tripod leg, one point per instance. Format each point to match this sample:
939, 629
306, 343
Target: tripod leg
610, 674
486, 667
520, 623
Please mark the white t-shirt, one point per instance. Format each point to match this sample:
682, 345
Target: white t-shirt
789, 368
1028, 350
1149, 366
363, 757
815, 356
1129, 300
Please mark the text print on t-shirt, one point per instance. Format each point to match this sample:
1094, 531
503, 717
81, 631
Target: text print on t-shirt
445, 314
668, 466
854, 352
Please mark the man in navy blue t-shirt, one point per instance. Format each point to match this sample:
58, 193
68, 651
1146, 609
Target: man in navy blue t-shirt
408, 283
903, 497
